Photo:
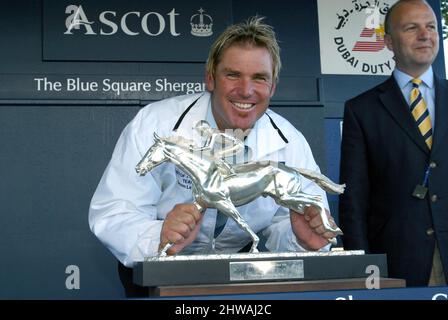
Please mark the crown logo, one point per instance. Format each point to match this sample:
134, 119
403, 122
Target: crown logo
198, 27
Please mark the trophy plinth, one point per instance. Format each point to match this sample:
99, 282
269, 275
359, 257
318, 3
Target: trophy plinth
255, 268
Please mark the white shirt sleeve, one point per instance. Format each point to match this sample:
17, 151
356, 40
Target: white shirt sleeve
123, 213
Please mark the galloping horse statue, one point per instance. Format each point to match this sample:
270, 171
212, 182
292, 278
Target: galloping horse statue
216, 189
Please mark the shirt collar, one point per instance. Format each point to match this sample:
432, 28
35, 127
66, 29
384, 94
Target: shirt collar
403, 78
209, 117
262, 140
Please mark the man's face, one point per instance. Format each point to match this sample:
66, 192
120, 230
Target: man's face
242, 86
413, 37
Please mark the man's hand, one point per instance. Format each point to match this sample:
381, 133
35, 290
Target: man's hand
309, 229
180, 227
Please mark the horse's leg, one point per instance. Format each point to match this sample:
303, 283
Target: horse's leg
297, 201
227, 207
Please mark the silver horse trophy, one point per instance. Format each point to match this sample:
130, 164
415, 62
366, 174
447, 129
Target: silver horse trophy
225, 190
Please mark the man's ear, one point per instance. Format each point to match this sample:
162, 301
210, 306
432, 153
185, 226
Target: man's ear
388, 42
273, 87
209, 82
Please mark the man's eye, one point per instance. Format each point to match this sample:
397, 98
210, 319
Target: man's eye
261, 79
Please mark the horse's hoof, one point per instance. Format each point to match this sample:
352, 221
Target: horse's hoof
333, 241
337, 230
162, 253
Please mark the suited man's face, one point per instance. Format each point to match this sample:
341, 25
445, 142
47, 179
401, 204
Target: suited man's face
413, 37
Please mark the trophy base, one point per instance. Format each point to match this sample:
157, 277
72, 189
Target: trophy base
270, 287
256, 268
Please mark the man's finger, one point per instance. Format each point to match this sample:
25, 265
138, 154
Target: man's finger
311, 211
329, 235
172, 236
194, 211
315, 222
186, 219
320, 230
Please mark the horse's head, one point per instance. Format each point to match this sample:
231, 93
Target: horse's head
153, 157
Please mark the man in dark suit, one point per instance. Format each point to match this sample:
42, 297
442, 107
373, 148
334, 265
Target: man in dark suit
394, 156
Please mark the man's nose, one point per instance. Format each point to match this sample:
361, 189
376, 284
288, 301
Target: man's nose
246, 87
423, 34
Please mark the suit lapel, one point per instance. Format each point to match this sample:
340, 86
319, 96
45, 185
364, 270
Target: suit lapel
396, 105
441, 114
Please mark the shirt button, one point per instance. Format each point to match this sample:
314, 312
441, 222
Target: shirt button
432, 164
430, 231
434, 198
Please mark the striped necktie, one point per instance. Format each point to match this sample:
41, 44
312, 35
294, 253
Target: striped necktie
420, 112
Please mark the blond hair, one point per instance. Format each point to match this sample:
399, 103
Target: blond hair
253, 32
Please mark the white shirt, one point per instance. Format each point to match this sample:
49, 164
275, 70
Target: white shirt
127, 210
426, 88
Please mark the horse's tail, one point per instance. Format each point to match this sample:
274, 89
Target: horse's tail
322, 181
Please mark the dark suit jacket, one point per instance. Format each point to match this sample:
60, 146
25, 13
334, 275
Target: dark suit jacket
383, 158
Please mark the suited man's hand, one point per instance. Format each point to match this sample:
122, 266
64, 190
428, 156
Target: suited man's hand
309, 230
180, 227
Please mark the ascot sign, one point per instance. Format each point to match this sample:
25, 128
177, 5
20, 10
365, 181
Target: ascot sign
201, 23
78, 19
132, 30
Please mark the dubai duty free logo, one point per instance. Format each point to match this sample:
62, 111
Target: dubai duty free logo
358, 37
